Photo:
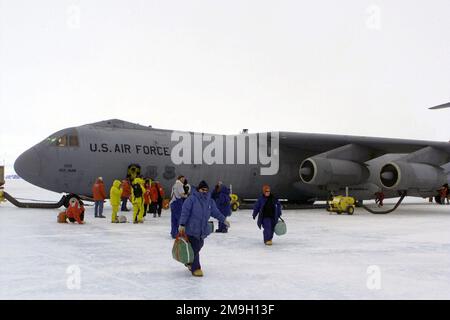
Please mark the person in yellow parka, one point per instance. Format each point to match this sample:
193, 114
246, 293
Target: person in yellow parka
115, 194
137, 199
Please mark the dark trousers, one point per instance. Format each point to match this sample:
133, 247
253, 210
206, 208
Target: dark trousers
152, 208
98, 208
175, 208
268, 227
197, 245
159, 206
124, 204
146, 208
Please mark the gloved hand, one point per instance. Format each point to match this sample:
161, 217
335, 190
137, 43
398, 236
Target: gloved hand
181, 230
227, 223
254, 217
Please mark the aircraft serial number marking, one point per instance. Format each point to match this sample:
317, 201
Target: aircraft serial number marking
128, 149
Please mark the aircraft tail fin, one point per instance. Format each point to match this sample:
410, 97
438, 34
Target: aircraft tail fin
441, 106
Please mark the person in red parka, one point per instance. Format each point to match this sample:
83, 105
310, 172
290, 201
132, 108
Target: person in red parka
99, 195
126, 193
75, 211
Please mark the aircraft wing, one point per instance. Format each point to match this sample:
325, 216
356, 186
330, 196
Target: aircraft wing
341, 160
324, 142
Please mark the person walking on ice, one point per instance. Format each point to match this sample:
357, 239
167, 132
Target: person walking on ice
268, 211
195, 213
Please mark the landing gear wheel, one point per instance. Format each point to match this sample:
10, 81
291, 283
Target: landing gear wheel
350, 210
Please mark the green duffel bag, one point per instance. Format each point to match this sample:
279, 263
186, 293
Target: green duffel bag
182, 250
211, 226
280, 227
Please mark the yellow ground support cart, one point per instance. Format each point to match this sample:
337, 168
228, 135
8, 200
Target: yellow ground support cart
234, 202
340, 204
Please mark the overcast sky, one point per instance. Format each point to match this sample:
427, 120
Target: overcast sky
355, 67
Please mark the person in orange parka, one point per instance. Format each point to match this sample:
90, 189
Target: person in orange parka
126, 193
99, 195
154, 198
147, 198
75, 211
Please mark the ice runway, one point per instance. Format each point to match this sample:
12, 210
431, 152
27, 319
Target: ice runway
322, 256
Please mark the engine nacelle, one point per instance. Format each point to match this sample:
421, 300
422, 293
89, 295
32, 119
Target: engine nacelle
400, 175
325, 171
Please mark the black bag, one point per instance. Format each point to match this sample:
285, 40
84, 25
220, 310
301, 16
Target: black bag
137, 190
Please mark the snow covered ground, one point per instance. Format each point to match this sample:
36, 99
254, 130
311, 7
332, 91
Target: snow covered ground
402, 255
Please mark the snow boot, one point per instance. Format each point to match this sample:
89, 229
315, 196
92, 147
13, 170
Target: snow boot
268, 243
198, 273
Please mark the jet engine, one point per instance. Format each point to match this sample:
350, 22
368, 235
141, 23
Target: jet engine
400, 175
326, 171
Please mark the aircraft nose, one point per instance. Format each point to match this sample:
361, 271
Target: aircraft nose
28, 165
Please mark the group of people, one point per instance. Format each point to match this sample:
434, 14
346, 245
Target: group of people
146, 196
191, 209
181, 190
191, 213
444, 195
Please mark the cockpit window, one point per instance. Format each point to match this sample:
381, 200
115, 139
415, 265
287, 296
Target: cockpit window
66, 140
73, 141
62, 141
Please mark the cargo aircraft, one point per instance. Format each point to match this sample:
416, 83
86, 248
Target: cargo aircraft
300, 167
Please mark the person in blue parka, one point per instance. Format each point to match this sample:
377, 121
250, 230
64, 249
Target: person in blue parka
268, 210
176, 203
195, 213
221, 196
